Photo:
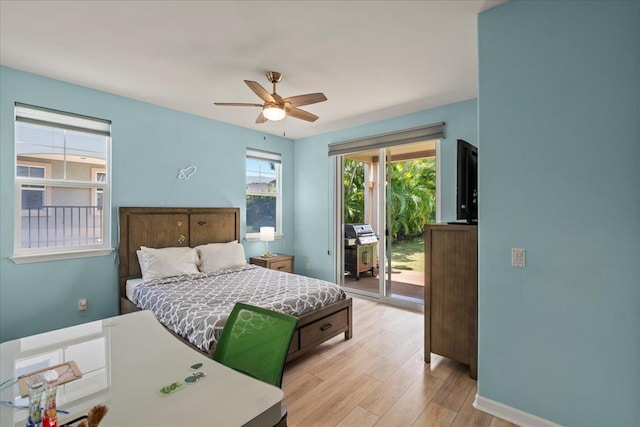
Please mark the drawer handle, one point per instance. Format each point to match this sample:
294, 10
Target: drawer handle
280, 267
325, 327
202, 222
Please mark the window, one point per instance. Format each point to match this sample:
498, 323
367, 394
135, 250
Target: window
62, 184
263, 189
99, 175
33, 196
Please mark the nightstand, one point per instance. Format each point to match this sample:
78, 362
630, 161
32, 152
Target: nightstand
276, 262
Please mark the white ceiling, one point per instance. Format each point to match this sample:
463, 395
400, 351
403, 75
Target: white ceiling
372, 59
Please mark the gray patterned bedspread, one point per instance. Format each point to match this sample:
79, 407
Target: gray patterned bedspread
196, 306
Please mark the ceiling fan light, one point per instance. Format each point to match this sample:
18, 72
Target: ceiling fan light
274, 113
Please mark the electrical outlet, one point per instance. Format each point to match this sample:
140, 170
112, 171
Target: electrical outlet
308, 266
517, 257
82, 304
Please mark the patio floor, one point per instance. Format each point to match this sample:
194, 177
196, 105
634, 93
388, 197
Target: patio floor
405, 283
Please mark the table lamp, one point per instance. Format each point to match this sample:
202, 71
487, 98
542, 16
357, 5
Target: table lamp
267, 234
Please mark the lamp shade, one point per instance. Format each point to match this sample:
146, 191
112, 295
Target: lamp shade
267, 234
274, 113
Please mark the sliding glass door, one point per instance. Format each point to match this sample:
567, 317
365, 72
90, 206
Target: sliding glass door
410, 198
360, 223
390, 192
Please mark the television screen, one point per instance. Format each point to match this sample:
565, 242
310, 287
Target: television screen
467, 182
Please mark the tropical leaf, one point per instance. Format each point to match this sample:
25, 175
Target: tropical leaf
411, 186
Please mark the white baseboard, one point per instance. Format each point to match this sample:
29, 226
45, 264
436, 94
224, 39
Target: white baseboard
510, 414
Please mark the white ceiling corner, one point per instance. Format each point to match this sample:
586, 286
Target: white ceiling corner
372, 59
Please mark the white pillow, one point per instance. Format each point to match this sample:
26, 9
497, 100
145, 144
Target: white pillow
216, 256
167, 262
143, 267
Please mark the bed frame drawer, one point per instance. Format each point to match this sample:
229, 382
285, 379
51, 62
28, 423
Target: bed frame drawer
324, 328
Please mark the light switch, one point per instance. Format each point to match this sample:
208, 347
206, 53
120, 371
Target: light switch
517, 257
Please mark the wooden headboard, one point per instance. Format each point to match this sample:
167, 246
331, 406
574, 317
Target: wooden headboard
167, 227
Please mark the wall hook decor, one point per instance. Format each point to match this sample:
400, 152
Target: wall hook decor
187, 172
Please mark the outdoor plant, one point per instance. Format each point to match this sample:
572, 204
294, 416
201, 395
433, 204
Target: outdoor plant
412, 192
353, 173
413, 188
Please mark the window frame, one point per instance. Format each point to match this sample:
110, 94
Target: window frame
94, 192
270, 157
65, 121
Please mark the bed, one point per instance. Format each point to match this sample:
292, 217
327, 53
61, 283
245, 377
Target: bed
192, 227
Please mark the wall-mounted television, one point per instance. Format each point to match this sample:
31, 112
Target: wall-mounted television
467, 183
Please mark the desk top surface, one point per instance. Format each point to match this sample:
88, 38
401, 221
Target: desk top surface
124, 361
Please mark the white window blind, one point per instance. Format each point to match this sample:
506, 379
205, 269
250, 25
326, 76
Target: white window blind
47, 117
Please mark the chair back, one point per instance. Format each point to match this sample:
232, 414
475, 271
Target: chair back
255, 341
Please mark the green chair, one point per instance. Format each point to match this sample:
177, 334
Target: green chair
255, 341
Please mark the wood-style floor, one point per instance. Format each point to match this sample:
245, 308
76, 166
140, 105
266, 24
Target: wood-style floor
379, 378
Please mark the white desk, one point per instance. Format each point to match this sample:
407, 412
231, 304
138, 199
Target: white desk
124, 361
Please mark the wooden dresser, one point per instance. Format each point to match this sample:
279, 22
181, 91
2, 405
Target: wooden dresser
276, 262
451, 293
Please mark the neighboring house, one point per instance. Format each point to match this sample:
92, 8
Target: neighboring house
259, 187
57, 214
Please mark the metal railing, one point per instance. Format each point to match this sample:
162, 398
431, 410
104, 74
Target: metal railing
53, 226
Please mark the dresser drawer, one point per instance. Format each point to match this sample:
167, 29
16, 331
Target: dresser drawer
324, 328
282, 265
276, 262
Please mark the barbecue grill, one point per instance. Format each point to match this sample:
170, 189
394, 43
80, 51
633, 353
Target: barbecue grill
360, 250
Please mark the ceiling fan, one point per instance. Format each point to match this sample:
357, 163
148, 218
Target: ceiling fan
275, 107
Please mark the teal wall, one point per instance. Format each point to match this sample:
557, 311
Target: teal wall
559, 127
150, 144
314, 176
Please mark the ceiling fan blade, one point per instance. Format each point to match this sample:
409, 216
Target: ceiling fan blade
301, 114
236, 104
260, 91
310, 98
261, 118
